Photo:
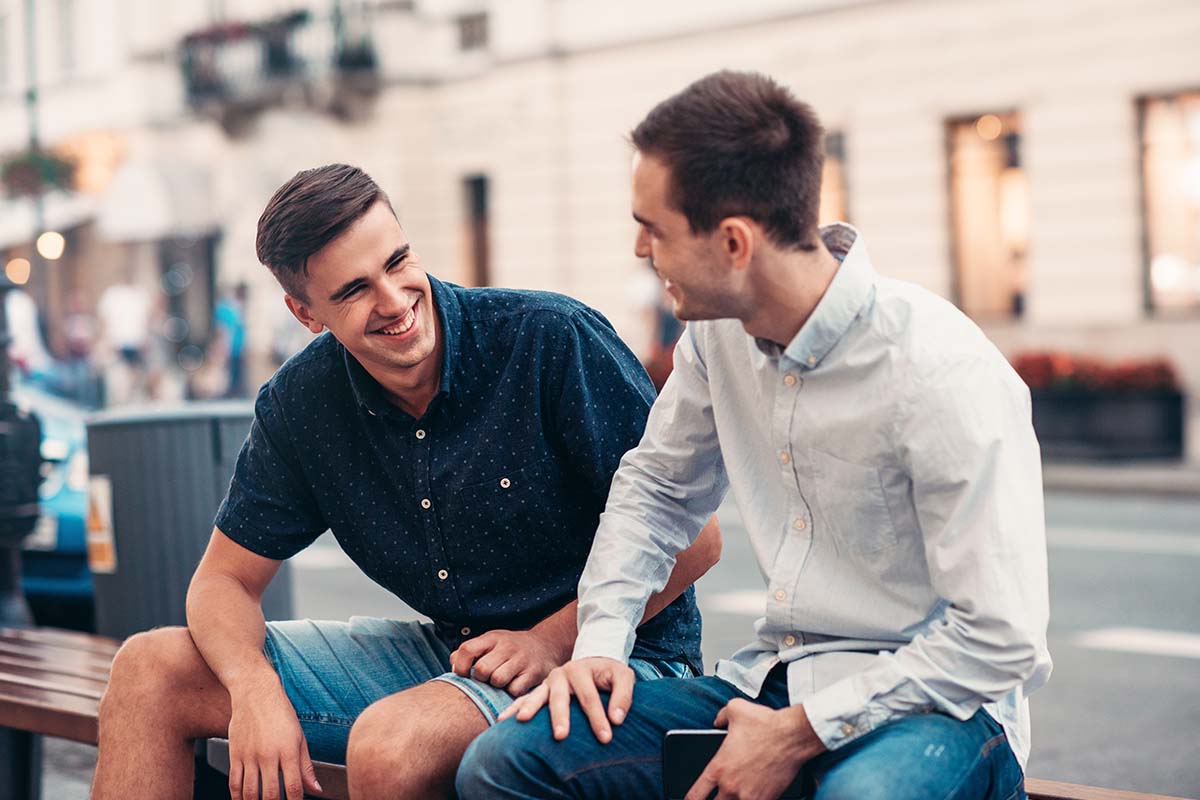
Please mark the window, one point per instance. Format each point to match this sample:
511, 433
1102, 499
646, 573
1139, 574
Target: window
1170, 138
989, 209
475, 197
473, 31
67, 41
833, 181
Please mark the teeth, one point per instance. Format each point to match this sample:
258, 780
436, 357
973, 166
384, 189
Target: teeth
402, 326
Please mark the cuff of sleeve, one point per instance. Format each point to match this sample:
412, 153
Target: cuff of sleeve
838, 714
609, 638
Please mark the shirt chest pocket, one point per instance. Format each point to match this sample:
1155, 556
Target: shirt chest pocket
511, 500
852, 504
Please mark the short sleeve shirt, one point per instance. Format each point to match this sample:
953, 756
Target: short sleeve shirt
481, 513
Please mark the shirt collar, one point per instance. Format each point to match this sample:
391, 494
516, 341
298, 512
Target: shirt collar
851, 289
367, 391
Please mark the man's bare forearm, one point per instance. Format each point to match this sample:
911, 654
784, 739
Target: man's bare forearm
228, 627
690, 565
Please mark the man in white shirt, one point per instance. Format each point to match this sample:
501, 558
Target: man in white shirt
881, 454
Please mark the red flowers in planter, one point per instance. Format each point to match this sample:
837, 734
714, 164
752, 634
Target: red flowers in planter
1064, 371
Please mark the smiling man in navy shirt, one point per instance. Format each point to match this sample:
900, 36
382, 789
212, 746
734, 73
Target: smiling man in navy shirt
460, 444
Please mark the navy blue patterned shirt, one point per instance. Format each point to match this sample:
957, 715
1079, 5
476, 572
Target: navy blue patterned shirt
481, 513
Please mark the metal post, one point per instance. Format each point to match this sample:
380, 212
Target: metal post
35, 144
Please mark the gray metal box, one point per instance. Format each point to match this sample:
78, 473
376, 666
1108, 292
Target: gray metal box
168, 469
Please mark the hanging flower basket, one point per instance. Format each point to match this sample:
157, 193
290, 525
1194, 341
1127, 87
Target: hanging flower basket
35, 172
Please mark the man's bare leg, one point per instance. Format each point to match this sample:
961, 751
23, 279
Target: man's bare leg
409, 744
161, 697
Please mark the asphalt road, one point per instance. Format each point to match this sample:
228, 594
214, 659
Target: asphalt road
1121, 710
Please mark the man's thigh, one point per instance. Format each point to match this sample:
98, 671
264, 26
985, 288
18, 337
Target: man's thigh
922, 756
521, 759
332, 671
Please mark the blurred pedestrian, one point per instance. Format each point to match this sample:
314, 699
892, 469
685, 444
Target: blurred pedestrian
229, 319
124, 311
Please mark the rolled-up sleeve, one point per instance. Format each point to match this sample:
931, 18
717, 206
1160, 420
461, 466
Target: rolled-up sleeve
663, 492
965, 437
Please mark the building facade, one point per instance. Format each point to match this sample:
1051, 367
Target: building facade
1037, 163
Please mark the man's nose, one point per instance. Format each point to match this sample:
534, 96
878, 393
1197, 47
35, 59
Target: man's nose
641, 245
391, 301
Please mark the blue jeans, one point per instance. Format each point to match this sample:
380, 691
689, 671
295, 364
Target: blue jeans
332, 671
922, 757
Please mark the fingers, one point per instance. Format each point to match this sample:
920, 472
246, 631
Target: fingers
462, 659
533, 702
521, 684
269, 771
293, 785
704, 785
722, 720
621, 697
487, 666
503, 675
235, 778
308, 772
583, 683
560, 705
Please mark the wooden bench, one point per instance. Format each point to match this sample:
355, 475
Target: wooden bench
51, 682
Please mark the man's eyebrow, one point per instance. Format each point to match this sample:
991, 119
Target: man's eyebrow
398, 255
642, 220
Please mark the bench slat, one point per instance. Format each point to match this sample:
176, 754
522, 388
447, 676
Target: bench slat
73, 640
60, 658
90, 688
17, 663
1056, 790
66, 716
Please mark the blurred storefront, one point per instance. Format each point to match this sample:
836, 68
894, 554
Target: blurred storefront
1037, 163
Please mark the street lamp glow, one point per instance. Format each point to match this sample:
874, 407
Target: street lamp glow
17, 271
50, 245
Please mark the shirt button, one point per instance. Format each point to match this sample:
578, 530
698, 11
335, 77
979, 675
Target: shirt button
812, 361
799, 524
443, 574
781, 595
465, 631
420, 434
789, 380
847, 729
425, 503
784, 458
505, 483
789, 640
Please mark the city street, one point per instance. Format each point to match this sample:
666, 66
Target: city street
1122, 708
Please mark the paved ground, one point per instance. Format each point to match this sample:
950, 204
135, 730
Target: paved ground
1121, 710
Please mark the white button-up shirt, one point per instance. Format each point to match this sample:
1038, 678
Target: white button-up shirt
885, 466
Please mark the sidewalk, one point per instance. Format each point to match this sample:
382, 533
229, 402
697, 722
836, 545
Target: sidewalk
1151, 478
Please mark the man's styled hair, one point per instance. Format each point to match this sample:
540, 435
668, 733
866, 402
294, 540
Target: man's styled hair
739, 144
308, 212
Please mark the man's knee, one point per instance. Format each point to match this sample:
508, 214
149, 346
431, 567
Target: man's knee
150, 666
505, 758
390, 751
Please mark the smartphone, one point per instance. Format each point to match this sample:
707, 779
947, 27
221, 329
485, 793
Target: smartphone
687, 753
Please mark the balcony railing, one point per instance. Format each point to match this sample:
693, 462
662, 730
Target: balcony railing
240, 68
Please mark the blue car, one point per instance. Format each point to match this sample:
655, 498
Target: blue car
58, 583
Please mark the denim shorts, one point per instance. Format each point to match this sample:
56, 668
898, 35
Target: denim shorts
332, 671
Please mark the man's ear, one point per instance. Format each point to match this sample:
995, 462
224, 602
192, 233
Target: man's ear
738, 238
300, 311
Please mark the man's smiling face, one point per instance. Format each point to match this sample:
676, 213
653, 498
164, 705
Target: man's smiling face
369, 290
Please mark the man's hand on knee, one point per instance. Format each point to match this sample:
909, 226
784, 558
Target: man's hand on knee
266, 742
584, 679
512, 660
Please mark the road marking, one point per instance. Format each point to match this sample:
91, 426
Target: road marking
1142, 640
749, 602
1124, 541
322, 558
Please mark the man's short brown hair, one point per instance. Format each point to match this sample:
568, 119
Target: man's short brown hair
308, 212
739, 144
